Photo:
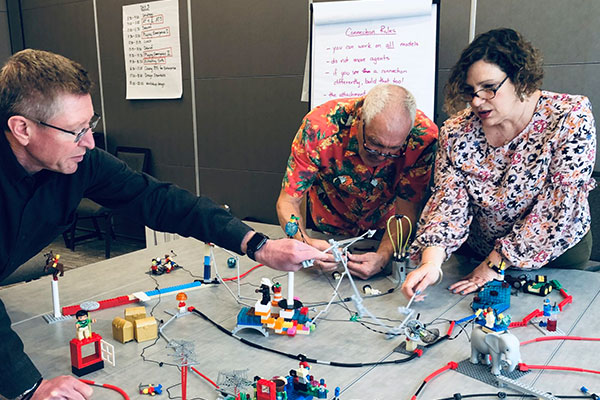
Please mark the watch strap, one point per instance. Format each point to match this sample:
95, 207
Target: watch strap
28, 394
497, 268
256, 242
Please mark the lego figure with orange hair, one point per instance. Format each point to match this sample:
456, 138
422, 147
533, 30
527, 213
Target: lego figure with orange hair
181, 297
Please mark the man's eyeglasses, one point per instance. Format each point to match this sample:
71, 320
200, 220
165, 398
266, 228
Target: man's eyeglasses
78, 135
485, 93
374, 152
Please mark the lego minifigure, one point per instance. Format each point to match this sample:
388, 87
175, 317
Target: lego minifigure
83, 324
52, 262
490, 317
168, 263
154, 267
181, 298
547, 307
265, 289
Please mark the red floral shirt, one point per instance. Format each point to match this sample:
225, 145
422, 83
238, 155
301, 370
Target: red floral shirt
346, 196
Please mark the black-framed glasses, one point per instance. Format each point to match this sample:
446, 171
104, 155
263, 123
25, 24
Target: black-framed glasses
373, 151
485, 93
78, 135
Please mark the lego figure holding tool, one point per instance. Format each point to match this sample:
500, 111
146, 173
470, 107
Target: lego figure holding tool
83, 324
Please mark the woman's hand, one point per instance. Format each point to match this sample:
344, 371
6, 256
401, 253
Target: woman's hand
475, 280
419, 279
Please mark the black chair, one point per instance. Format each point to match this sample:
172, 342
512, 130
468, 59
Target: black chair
137, 159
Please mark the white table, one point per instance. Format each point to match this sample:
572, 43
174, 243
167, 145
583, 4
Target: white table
335, 338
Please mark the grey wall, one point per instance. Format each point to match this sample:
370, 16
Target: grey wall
5, 49
248, 65
249, 69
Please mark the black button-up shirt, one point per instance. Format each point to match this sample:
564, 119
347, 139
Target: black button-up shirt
35, 209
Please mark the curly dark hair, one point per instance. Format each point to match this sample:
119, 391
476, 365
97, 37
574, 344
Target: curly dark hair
504, 47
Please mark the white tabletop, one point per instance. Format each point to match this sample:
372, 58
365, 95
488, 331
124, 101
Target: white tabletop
335, 338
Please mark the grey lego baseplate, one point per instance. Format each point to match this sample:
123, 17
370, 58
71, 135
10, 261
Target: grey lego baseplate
526, 389
482, 372
51, 319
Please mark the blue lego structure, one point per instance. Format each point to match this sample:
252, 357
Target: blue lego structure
495, 294
247, 320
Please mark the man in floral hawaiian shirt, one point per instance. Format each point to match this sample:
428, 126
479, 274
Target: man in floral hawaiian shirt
359, 161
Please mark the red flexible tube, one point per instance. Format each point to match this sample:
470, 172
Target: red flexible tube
525, 367
244, 274
450, 365
205, 377
544, 338
108, 386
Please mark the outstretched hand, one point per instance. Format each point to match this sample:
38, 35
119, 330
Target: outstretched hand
63, 388
419, 279
288, 254
475, 280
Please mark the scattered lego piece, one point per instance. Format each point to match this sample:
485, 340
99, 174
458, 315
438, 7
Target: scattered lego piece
163, 265
538, 286
585, 390
150, 389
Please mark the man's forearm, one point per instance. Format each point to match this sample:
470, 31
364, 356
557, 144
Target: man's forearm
244, 245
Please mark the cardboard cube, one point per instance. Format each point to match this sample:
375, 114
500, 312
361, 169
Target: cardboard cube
122, 330
145, 329
133, 313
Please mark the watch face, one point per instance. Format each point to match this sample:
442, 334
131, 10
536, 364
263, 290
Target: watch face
255, 243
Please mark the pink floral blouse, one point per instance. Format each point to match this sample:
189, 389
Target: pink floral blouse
526, 199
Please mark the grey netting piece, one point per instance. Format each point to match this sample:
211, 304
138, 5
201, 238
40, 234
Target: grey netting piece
184, 354
233, 381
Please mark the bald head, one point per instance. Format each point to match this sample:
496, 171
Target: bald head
393, 103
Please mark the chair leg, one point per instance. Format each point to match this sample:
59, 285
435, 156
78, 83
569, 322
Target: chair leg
108, 235
97, 227
72, 238
65, 236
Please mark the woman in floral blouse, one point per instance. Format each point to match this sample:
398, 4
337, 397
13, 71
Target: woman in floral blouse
512, 172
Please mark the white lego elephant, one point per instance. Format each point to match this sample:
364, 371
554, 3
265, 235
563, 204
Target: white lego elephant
503, 348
